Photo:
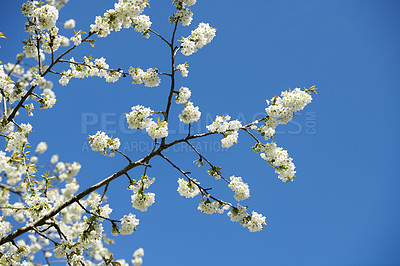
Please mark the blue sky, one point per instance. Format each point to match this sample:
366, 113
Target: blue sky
342, 208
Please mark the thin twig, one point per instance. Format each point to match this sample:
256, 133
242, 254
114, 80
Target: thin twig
99, 216
162, 38
205, 159
202, 190
126, 157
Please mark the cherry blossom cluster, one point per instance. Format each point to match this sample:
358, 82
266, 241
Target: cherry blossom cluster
69, 24
18, 139
138, 257
41, 17
126, 13
149, 78
6, 84
240, 188
183, 14
183, 95
281, 109
90, 68
228, 128
142, 200
101, 142
15, 91
139, 118
128, 224
188, 189
190, 113
209, 207
41, 147
199, 37
254, 222
77, 234
183, 69
277, 158
157, 130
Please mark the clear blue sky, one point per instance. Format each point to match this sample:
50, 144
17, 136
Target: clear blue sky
342, 208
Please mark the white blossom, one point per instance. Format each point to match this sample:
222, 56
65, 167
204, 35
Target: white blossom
54, 159
128, 224
279, 159
69, 24
41, 147
138, 117
100, 142
183, 69
208, 207
199, 37
157, 130
141, 201
190, 113
255, 222
240, 188
229, 139
183, 95
149, 78
188, 189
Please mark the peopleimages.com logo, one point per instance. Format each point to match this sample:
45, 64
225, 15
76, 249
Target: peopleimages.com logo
113, 124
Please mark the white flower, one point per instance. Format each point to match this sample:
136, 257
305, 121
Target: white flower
208, 207
138, 118
279, 159
149, 78
137, 261
283, 108
190, 113
64, 41
240, 188
229, 139
128, 224
187, 189
185, 16
18, 139
139, 252
54, 159
41, 147
60, 167
29, 108
34, 159
100, 142
69, 24
255, 223
142, 23
76, 39
183, 95
143, 183
38, 206
157, 130
51, 43
124, 15
48, 99
37, 79
238, 213
199, 37
69, 190
65, 77
45, 17
220, 124
141, 201
183, 69
5, 227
